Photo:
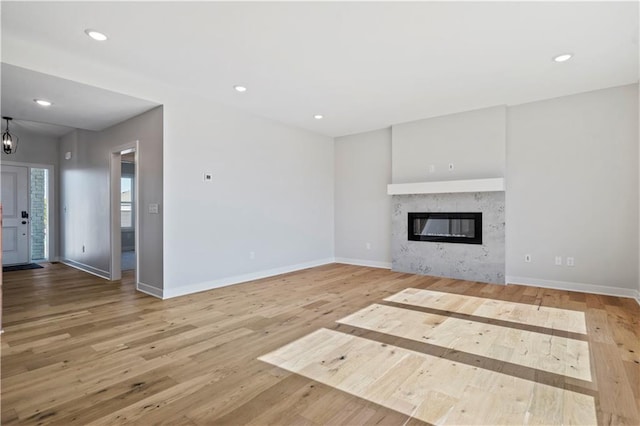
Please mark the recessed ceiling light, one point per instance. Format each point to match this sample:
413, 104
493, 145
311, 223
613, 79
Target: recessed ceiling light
42, 102
318, 116
240, 88
96, 35
564, 57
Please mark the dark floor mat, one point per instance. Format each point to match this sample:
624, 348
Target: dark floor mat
20, 267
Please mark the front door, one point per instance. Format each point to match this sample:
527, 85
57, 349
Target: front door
15, 216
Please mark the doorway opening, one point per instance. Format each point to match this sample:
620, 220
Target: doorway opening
125, 254
127, 211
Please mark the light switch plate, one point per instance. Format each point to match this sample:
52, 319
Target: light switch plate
153, 208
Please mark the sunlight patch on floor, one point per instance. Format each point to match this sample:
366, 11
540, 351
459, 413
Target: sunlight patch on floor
559, 355
541, 316
429, 388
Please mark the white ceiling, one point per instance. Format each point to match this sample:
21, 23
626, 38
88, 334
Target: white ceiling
19, 126
75, 105
363, 65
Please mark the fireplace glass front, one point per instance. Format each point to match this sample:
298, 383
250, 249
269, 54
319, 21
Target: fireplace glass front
465, 228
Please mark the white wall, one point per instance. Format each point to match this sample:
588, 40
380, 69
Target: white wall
572, 190
362, 206
271, 194
473, 141
85, 195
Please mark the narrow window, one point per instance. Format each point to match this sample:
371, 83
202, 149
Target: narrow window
126, 202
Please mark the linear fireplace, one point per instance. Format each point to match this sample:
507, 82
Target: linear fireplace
465, 228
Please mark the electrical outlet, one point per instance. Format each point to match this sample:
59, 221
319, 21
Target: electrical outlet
83, 248
527, 258
559, 260
368, 245
451, 167
432, 168
252, 255
571, 261
207, 177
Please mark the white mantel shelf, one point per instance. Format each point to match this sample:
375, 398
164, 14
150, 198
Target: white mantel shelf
447, 186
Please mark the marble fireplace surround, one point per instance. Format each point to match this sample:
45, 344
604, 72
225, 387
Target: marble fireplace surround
473, 262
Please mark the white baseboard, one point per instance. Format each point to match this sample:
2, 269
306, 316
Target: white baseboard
150, 290
86, 268
223, 282
579, 287
362, 262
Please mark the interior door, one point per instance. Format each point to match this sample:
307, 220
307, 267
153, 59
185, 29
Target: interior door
15, 216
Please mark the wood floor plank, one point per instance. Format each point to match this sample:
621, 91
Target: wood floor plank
81, 350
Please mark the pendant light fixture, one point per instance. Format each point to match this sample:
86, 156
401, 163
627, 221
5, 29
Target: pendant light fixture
9, 141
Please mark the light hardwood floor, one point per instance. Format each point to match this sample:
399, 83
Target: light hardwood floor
80, 350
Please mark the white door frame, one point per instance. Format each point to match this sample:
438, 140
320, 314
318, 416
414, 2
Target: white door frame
114, 188
52, 211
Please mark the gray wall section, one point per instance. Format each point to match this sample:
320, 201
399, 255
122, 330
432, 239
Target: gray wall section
33, 148
474, 262
474, 142
362, 206
85, 198
572, 188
